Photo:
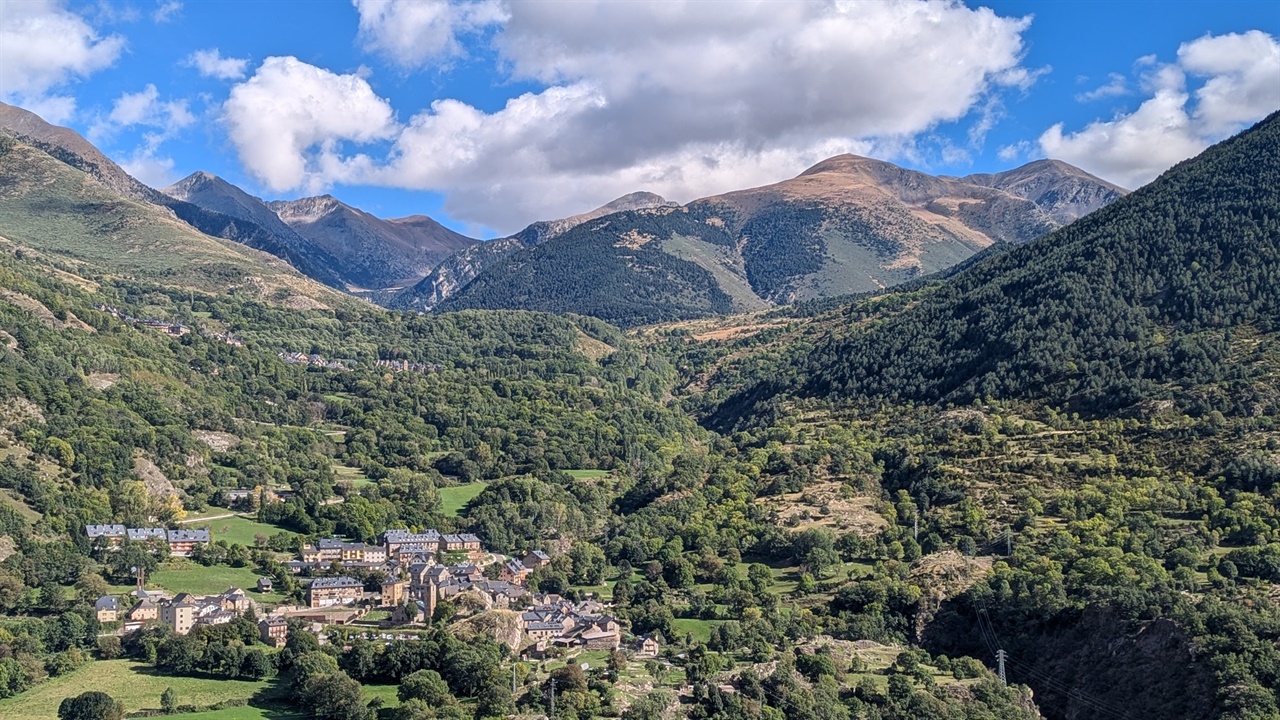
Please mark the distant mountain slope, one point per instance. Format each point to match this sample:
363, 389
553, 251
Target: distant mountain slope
541, 231
847, 225
628, 282
1125, 304
216, 195
371, 253
53, 208
69, 147
1064, 191
452, 274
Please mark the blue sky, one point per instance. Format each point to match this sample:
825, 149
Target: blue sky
489, 115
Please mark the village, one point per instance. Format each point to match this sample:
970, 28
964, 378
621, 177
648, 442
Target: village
421, 570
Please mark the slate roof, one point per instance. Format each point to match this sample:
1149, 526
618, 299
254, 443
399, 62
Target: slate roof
401, 535
335, 582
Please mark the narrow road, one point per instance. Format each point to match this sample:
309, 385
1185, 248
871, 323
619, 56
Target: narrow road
210, 517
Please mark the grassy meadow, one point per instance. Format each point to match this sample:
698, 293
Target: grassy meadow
134, 684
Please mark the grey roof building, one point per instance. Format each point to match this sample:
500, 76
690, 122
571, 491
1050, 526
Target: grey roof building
143, 534
335, 582
188, 536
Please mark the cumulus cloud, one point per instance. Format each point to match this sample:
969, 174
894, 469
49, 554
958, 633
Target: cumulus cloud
701, 72
210, 63
43, 47
1116, 86
413, 33
143, 108
160, 120
148, 167
166, 10
1241, 85
1014, 151
1244, 79
288, 121
54, 109
684, 99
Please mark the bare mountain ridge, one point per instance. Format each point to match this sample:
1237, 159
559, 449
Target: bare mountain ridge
1064, 191
847, 224
373, 253
631, 201
215, 195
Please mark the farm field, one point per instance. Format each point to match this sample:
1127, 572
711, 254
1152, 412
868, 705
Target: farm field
355, 475
699, 629
589, 474
238, 529
456, 497
186, 576
134, 684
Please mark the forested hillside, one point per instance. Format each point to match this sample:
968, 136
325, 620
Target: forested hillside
1102, 403
1066, 452
1143, 300
620, 275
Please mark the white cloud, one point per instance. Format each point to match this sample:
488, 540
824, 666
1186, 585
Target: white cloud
1244, 79
1241, 85
685, 99
210, 63
287, 123
151, 169
1116, 86
44, 47
143, 108
1015, 151
166, 10
54, 109
161, 119
413, 33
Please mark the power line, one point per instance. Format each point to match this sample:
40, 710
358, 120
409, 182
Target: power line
992, 641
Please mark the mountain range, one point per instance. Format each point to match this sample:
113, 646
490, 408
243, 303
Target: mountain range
1141, 299
360, 250
846, 225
